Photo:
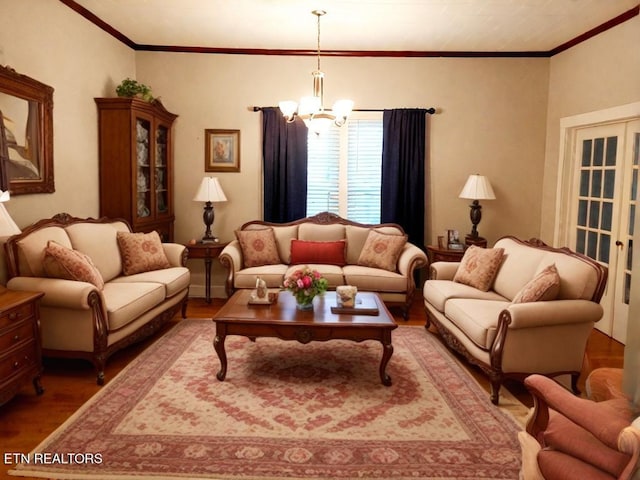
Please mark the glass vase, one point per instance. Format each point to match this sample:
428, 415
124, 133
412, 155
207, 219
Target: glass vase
304, 304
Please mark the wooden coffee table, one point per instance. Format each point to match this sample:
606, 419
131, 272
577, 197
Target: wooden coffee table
283, 320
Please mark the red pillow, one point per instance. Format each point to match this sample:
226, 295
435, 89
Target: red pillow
328, 253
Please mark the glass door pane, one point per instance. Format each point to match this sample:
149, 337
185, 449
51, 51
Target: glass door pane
597, 177
143, 168
161, 177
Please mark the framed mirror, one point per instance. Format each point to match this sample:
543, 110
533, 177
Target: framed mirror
26, 134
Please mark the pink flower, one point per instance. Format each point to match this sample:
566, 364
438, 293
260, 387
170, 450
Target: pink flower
306, 281
300, 283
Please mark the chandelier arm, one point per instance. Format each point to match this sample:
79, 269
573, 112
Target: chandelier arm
311, 109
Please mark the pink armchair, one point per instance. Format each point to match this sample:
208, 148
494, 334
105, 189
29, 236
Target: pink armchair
568, 437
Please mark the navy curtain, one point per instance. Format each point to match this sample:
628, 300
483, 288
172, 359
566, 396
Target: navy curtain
284, 156
403, 167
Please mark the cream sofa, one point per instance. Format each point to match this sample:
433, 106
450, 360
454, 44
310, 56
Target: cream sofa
508, 339
396, 286
80, 319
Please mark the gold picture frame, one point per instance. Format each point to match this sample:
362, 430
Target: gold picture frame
221, 150
26, 134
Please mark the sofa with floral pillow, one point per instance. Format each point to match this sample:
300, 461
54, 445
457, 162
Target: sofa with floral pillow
104, 286
374, 258
517, 308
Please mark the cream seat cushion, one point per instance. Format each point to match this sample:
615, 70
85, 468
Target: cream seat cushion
477, 319
126, 301
174, 279
437, 292
374, 279
273, 275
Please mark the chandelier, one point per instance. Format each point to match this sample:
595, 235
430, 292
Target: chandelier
311, 108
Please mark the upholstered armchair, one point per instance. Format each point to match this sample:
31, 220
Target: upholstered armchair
568, 437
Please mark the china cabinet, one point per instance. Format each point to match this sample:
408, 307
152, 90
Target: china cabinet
136, 163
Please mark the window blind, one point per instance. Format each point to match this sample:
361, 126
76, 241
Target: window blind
350, 156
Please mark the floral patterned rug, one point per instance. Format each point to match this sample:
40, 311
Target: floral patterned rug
285, 411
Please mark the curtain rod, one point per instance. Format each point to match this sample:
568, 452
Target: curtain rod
429, 110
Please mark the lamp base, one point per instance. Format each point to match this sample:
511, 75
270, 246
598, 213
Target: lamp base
206, 239
478, 241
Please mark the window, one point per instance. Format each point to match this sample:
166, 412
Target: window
345, 169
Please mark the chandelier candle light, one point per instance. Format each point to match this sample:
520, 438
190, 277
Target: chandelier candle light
311, 109
477, 188
210, 191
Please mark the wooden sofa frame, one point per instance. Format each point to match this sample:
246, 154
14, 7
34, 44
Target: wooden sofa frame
327, 218
494, 369
101, 351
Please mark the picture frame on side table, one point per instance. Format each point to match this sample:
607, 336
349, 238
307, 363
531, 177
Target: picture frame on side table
453, 240
221, 150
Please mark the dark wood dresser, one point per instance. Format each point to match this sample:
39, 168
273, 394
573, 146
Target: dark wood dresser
20, 348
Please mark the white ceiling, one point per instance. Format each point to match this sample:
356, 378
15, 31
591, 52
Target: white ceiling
395, 25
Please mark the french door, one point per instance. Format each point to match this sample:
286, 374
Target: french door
604, 202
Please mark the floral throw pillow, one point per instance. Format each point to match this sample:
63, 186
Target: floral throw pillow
479, 266
259, 247
382, 250
544, 286
141, 252
69, 264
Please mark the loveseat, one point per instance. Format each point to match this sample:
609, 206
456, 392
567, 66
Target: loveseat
517, 308
374, 258
104, 287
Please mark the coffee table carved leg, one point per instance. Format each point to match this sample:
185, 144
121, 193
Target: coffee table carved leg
218, 345
387, 351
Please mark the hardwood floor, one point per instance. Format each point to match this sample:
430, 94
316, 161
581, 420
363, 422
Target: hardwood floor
28, 419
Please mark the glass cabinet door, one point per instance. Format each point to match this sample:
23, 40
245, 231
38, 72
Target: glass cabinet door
143, 168
161, 173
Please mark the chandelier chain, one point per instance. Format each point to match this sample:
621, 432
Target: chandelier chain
318, 15
311, 109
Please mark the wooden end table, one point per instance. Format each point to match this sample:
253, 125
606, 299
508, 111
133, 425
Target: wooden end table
207, 251
283, 320
20, 348
437, 254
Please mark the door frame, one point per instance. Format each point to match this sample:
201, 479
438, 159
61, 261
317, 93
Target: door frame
568, 132
566, 188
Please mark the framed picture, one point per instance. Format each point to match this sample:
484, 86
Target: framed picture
453, 240
221, 150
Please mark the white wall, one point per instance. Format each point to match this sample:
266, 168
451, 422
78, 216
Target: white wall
492, 116
54, 45
491, 120
601, 73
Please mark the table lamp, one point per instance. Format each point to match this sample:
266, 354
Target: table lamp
477, 188
7, 226
210, 191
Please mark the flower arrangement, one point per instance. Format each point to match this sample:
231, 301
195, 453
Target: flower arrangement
305, 284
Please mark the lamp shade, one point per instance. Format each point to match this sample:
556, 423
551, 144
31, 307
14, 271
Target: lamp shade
7, 226
477, 187
210, 191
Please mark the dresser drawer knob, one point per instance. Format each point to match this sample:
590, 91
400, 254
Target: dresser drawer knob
16, 337
16, 365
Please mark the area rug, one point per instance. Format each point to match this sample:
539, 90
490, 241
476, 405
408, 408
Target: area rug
285, 411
